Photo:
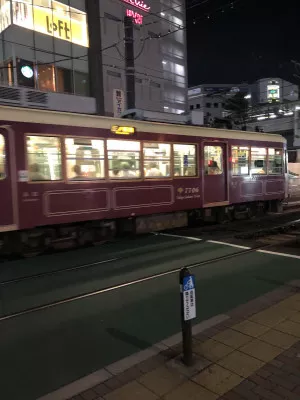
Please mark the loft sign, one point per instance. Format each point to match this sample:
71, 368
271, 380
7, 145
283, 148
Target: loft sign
60, 27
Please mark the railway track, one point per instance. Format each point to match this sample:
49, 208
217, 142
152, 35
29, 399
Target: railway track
242, 252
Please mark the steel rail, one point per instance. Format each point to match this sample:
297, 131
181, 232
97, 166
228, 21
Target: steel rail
129, 283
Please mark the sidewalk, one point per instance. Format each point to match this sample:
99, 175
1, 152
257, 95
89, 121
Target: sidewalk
253, 354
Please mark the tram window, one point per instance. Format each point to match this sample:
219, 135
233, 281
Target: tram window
275, 162
184, 160
84, 158
124, 159
44, 158
240, 160
2, 158
157, 160
258, 160
213, 160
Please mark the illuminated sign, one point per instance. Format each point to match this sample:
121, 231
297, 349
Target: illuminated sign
137, 18
5, 19
138, 4
273, 92
27, 71
123, 130
52, 18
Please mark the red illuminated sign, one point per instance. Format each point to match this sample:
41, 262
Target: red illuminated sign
137, 18
138, 4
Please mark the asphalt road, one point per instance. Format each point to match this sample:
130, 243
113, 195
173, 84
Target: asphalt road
44, 350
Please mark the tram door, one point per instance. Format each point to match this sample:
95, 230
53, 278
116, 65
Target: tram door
215, 173
7, 182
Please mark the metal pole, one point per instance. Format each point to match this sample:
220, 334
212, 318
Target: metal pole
186, 321
95, 54
129, 63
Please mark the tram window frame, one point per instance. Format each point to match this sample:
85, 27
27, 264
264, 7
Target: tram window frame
282, 161
238, 148
186, 169
265, 167
206, 157
3, 174
168, 160
101, 159
127, 160
60, 155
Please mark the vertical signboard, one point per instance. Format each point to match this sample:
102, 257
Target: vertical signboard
118, 102
189, 297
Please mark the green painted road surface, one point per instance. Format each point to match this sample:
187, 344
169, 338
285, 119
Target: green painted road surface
45, 350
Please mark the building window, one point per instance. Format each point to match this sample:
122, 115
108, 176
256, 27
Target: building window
2, 158
213, 160
198, 106
191, 107
157, 160
64, 81
216, 105
184, 159
84, 159
44, 158
258, 160
123, 159
240, 160
208, 105
81, 83
275, 162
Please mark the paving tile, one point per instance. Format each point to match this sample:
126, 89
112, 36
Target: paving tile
217, 379
261, 350
269, 317
232, 338
279, 339
241, 363
101, 389
212, 350
162, 380
250, 328
190, 391
89, 395
129, 375
295, 317
266, 394
289, 327
131, 391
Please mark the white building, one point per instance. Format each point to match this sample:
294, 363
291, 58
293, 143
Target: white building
211, 98
68, 55
273, 90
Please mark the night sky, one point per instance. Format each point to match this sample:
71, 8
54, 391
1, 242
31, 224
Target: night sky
252, 40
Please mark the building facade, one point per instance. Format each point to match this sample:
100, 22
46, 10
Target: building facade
211, 98
69, 55
267, 96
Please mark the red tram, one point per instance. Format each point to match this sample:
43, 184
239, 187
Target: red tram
80, 178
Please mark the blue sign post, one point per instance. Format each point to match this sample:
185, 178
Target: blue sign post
188, 312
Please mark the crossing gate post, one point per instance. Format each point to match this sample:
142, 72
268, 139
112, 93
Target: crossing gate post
188, 312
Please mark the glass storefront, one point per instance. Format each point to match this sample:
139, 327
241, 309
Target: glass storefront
44, 45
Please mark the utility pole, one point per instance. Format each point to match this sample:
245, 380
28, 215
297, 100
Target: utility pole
95, 54
129, 62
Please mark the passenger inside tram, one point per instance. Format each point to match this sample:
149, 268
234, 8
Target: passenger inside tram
34, 173
153, 170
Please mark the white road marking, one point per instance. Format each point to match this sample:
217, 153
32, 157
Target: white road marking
275, 253
177, 236
229, 244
